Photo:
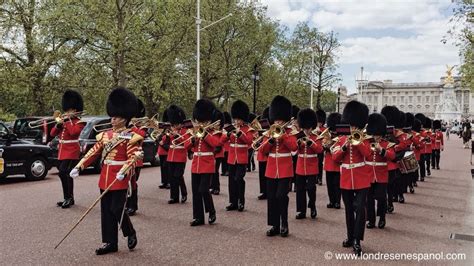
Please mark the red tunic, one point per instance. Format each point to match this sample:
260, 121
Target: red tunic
120, 158
417, 145
203, 153
69, 148
239, 146
377, 161
307, 163
438, 140
329, 164
401, 146
220, 153
176, 153
426, 136
142, 133
355, 174
280, 161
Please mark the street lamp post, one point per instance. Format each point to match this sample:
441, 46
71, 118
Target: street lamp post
338, 98
255, 78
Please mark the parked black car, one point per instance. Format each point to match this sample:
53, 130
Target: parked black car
38, 135
87, 139
22, 157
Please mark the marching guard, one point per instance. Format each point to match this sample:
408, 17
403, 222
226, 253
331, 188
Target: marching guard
240, 140
203, 143
118, 149
377, 152
279, 145
68, 128
218, 153
417, 147
320, 128
438, 144
332, 168
225, 165
355, 175
177, 154
428, 137
163, 156
422, 146
307, 167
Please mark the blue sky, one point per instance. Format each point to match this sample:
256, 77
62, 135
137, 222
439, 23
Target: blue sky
393, 39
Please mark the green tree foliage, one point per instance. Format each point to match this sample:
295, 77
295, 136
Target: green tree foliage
150, 46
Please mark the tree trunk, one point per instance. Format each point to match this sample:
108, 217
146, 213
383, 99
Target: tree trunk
119, 75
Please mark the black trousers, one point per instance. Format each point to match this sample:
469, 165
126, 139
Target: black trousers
393, 175
202, 199
333, 184
132, 201
293, 178
164, 170
355, 202
215, 183
262, 167
305, 184
421, 164
251, 164
111, 209
176, 180
65, 167
435, 157
377, 191
415, 177
320, 166
277, 201
401, 184
428, 162
225, 165
237, 184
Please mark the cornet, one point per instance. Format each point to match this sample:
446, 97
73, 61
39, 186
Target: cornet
199, 131
275, 132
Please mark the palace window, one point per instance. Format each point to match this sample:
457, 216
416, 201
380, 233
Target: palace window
385, 99
418, 98
427, 99
394, 99
410, 98
402, 99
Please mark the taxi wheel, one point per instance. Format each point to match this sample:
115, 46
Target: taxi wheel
36, 168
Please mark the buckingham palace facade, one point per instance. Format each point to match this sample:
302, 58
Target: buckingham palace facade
416, 97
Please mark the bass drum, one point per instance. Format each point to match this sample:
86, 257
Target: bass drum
408, 164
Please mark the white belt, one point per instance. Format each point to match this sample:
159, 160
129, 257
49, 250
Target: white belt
279, 155
203, 153
376, 163
176, 147
352, 165
239, 145
112, 162
438, 140
69, 141
307, 155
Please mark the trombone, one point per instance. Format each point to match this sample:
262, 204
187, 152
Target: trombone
57, 116
102, 127
198, 131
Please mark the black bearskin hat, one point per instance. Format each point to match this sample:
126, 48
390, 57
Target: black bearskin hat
72, 100
280, 109
122, 103
307, 118
218, 115
265, 113
164, 118
420, 117
141, 112
401, 121
355, 114
175, 114
203, 110
294, 111
377, 125
417, 125
321, 116
410, 119
428, 123
436, 124
227, 118
333, 120
240, 110
392, 115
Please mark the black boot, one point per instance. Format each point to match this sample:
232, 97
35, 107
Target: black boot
60, 203
412, 190
162, 186
241, 207
184, 198
131, 212
273, 231
262, 197
370, 225
401, 199
68, 203
231, 207
415, 184
300, 216
212, 217
330, 205
132, 241
356, 247
390, 209
382, 222
106, 248
314, 213
173, 201
196, 222
337, 205
284, 232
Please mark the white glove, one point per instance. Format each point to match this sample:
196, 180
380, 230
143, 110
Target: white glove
120, 176
74, 173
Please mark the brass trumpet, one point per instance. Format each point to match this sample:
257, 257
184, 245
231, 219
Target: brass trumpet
55, 118
198, 131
